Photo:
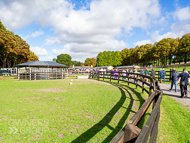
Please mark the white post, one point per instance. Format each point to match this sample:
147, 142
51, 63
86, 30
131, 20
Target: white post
62, 72
56, 73
67, 74
18, 73
30, 73
11, 71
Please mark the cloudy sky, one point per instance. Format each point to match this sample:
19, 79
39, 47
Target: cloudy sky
83, 28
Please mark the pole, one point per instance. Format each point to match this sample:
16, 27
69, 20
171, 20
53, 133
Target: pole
18, 74
30, 73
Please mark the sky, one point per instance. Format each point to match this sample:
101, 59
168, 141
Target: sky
83, 28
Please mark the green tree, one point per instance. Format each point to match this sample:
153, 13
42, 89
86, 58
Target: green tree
33, 57
64, 59
184, 45
54, 59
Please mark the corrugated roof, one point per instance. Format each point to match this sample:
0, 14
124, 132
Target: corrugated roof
104, 67
41, 64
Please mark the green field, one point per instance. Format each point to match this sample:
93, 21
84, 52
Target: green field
86, 111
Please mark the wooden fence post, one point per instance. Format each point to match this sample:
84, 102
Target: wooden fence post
103, 75
150, 88
118, 77
98, 75
137, 81
131, 133
143, 84
128, 79
110, 76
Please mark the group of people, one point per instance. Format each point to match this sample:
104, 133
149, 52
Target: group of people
183, 79
175, 78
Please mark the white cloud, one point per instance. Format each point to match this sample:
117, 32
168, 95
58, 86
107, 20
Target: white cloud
37, 33
177, 31
182, 13
84, 33
142, 42
39, 51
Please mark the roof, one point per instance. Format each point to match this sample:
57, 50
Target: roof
103, 67
123, 67
41, 64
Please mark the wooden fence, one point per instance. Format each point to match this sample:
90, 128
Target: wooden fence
131, 132
7, 76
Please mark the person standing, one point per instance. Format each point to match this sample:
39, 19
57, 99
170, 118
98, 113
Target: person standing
127, 73
123, 74
161, 74
135, 76
146, 72
164, 75
131, 75
153, 74
141, 72
183, 79
174, 78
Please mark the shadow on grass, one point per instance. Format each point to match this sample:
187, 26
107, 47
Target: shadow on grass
141, 100
86, 136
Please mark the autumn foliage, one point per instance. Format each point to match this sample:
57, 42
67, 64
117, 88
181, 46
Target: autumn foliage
13, 49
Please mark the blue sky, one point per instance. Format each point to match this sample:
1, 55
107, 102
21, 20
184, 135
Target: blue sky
83, 28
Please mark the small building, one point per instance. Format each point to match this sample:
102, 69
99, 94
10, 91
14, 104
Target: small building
40, 70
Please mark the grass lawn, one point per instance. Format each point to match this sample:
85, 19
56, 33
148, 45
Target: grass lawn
178, 69
174, 120
86, 111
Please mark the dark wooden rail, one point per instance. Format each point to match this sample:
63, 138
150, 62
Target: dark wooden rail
131, 132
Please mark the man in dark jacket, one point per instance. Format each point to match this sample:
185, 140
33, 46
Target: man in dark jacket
153, 74
161, 74
174, 77
184, 77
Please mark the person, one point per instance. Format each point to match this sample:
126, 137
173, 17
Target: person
141, 72
127, 72
112, 73
135, 76
174, 78
123, 73
161, 74
101, 72
116, 74
164, 75
183, 77
153, 74
146, 72
131, 71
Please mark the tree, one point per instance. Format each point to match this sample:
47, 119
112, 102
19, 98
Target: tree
88, 62
13, 49
64, 59
184, 45
100, 59
54, 59
125, 54
33, 57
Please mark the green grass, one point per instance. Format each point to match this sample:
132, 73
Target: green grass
174, 122
85, 111
178, 69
